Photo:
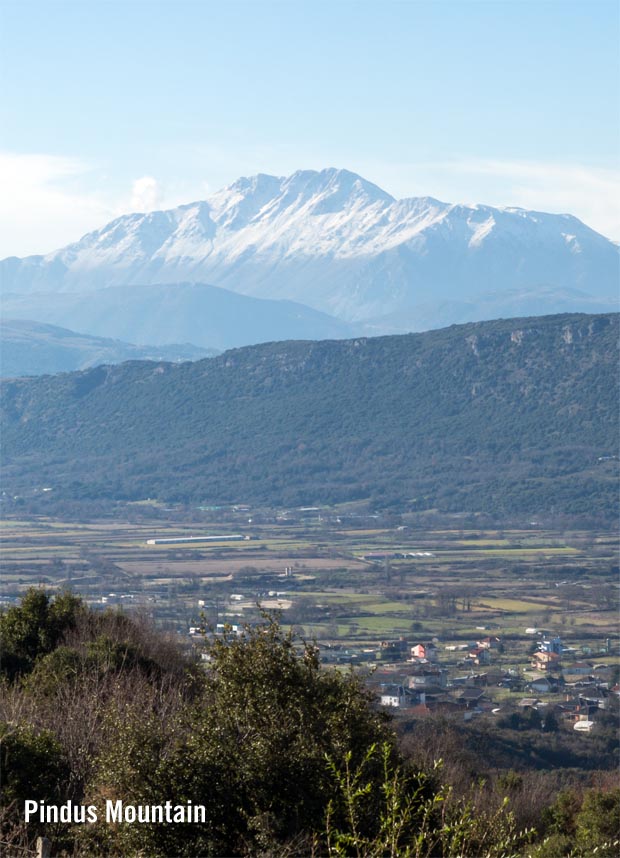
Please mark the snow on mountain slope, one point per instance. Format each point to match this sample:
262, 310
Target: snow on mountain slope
335, 242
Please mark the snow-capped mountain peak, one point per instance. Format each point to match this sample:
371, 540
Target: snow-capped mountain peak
336, 242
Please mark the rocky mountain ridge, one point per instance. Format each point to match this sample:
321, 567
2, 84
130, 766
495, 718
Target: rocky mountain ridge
339, 244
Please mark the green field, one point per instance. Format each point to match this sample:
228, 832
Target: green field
502, 579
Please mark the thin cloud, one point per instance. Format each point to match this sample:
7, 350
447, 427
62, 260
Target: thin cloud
43, 202
49, 201
146, 195
592, 194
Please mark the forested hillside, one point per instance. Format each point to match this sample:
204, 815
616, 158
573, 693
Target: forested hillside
508, 416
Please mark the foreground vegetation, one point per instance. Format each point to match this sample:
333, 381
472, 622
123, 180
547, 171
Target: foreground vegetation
288, 758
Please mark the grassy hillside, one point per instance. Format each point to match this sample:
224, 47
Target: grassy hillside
508, 416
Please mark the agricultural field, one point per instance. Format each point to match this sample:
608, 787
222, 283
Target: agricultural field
346, 580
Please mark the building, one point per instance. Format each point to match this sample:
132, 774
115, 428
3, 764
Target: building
541, 686
394, 696
553, 645
394, 650
428, 676
182, 540
492, 642
545, 660
479, 655
424, 652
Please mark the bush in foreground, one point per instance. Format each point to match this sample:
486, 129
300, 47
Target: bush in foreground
288, 758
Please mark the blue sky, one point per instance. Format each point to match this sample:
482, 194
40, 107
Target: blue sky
124, 105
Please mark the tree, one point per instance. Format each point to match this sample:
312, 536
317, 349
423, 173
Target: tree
551, 724
416, 817
598, 823
285, 756
33, 767
34, 628
253, 750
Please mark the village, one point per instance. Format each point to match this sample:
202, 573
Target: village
555, 687
440, 617
527, 681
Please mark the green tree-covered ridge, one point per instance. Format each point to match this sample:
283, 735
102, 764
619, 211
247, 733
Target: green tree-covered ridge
514, 415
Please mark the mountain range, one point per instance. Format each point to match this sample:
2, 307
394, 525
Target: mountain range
207, 316
32, 348
513, 416
326, 240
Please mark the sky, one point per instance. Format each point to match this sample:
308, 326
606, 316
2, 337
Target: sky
112, 106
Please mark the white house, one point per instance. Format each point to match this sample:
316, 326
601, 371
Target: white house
393, 695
